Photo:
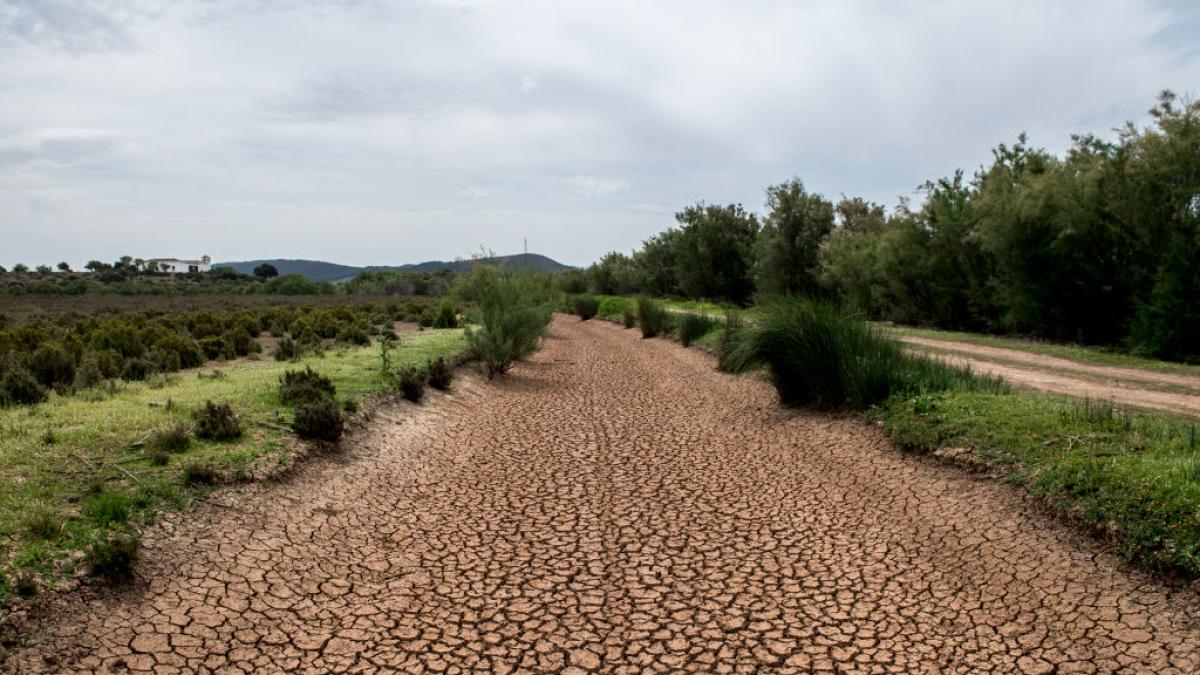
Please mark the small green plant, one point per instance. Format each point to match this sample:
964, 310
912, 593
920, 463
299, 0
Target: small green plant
108, 508
43, 524
445, 317
651, 317
387, 344
217, 422
287, 349
25, 584
318, 419
173, 439
296, 386
200, 473
441, 373
114, 557
585, 306
694, 326
511, 317
411, 382
628, 318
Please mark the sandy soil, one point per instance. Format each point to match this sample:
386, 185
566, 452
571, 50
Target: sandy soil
617, 505
1137, 387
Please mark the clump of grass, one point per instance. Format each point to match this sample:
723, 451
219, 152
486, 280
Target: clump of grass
217, 422
695, 326
651, 317
411, 382
114, 557
821, 356
200, 473
287, 349
729, 338
319, 419
25, 584
441, 373
628, 318
297, 386
174, 439
49, 438
585, 306
159, 457
43, 524
109, 507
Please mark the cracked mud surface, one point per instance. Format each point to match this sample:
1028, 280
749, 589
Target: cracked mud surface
616, 505
1139, 387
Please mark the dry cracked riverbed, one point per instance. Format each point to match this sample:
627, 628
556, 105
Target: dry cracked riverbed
617, 505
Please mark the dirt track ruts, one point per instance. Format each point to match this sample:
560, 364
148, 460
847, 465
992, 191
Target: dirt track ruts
1125, 385
617, 505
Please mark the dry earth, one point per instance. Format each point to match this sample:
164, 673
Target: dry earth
1138, 387
617, 505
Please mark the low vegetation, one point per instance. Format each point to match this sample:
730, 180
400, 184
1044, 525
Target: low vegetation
585, 306
512, 311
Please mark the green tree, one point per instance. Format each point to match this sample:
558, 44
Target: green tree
714, 253
796, 223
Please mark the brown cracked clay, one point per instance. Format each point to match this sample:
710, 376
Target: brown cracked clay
616, 505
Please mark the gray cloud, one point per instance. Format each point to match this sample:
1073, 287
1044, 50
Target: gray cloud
374, 132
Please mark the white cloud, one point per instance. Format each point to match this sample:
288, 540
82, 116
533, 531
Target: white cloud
349, 128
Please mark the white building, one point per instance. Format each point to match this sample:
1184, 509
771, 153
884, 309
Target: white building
177, 266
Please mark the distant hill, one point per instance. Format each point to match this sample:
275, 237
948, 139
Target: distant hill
318, 270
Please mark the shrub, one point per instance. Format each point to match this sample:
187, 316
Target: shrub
585, 306
441, 373
108, 507
298, 386
694, 326
217, 422
43, 524
175, 438
651, 317
19, 387
318, 419
239, 343
510, 320
185, 348
412, 383
819, 355
137, 369
628, 318
214, 347
354, 335
445, 317
114, 557
286, 349
52, 365
200, 473
88, 374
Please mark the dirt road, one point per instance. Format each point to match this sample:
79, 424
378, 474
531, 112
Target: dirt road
1138, 387
617, 505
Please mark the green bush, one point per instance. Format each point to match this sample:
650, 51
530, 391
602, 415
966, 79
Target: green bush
695, 326
286, 349
318, 419
511, 318
137, 369
298, 386
188, 352
108, 508
214, 347
445, 317
651, 317
441, 373
820, 356
217, 422
114, 557
585, 306
411, 382
176, 438
52, 365
354, 335
19, 387
88, 373
628, 318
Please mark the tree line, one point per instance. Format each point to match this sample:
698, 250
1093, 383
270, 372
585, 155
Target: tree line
1100, 245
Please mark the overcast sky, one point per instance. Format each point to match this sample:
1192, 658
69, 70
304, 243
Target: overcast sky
369, 132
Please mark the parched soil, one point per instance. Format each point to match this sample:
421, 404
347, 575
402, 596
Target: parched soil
1138, 387
617, 505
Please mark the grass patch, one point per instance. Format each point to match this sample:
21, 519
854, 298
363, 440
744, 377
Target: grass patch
1133, 476
96, 475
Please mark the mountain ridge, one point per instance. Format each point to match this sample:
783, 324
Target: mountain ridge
320, 270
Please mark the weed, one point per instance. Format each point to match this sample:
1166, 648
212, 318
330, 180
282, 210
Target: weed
25, 584
318, 419
387, 344
297, 386
43, 524
585, 306
114, 557
217, 422
694, 326
159, 457
200, 473
107, 508
651, 317
628, 318
441, 373
176, 438
411, 382
729, 338
49, 438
